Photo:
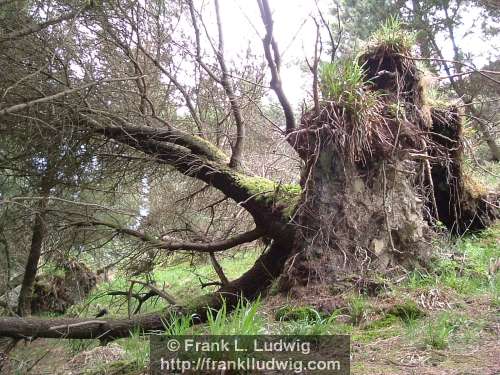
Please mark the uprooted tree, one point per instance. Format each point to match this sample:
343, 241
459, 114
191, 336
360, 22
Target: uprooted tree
381, 166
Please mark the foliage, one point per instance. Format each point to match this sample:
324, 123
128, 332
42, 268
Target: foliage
467, 270
343, 81
437, 333
182, 278
312, 324
245, 319
178, 325
137, 349
357, 308
407, 311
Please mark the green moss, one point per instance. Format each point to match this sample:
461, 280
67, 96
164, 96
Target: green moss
301, 313
407, 311
396, 110
384, 322
202, 301
377, 334
284, 196
212, 150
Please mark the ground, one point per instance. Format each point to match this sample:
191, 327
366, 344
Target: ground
440, 321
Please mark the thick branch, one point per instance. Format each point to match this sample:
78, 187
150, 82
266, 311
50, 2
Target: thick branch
139, 134
239, 187
249, 285
77, 328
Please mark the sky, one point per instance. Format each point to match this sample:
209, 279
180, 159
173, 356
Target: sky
295, 33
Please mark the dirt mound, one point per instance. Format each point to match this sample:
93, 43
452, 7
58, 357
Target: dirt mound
57, 292
96, 357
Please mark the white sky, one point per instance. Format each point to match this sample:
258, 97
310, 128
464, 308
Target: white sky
295, 34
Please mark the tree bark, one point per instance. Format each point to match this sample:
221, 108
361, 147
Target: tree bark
37, 239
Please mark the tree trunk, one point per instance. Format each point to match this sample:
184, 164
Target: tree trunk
357, 220
39, 233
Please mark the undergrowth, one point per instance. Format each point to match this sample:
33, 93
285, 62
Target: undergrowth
466, 269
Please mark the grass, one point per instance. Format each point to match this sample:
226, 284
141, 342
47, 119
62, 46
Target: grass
466, 269
294, 313
358, 308
342, 81
460, 270
179, 280
307, 321
244, 320
393, 36
432, 333
137, 350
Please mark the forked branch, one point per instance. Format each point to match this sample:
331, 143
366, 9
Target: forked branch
274, 61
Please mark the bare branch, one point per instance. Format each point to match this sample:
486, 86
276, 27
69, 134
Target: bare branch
218, 269
204, 247
167, 297
237, 148
450, 76
335, 44
198, 44
314, 67
179, 87
273, 60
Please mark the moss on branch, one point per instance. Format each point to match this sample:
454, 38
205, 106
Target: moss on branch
282, 196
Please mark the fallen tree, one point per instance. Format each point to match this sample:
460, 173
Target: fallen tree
381, 167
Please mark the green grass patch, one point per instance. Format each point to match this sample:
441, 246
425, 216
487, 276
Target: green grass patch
407, 311
358, 307
182, 280
466, 269
243, 320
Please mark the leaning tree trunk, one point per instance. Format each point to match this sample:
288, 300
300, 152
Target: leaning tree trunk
37, 239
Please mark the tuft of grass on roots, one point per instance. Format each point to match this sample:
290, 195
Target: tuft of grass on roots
343, 82
391, 35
